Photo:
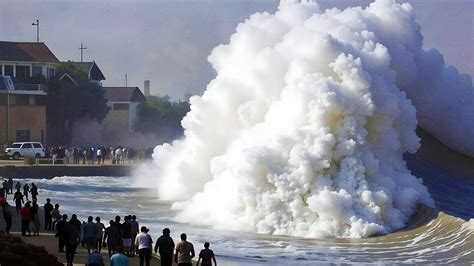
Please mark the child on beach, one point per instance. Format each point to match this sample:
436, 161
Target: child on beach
206, 255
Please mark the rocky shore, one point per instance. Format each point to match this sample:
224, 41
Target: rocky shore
14, 251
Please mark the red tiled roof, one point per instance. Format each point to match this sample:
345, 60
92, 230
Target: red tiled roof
26, 52
124, 94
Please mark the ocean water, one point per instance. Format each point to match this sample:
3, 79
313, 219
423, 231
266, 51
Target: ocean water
435, 235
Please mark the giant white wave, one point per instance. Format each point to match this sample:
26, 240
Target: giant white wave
303, 129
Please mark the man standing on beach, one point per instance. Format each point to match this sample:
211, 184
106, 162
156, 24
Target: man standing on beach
184, 252
61, 233
90, 232
165, 246
48, 220
7, 215
26, 188
144, 244
34, 191
18, 197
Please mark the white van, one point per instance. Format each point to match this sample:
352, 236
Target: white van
17, 149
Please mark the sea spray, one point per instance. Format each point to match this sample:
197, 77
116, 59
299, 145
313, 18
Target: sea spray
303, 129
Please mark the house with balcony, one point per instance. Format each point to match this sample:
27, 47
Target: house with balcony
25, 68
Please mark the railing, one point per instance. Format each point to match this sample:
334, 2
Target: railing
30, 87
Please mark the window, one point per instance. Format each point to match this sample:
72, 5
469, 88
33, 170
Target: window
120, 106
37, 145
8, 70
50, 72
15, 146
27, 146
23, 135
22, 71
37, 71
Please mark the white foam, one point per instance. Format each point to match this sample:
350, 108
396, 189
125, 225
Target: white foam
303, 129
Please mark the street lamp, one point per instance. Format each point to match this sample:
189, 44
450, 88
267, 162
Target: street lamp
37, 24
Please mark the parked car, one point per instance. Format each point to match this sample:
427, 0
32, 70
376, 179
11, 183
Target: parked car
17, 149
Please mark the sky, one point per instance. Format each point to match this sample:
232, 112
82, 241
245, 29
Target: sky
168, 42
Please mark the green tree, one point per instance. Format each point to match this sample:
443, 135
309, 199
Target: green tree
162, 118
69, 101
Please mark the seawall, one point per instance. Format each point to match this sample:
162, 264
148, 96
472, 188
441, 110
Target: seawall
50, 171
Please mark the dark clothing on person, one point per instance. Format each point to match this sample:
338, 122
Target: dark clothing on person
71, 235
145, 256
206, 255
48, 220
25, 221
7, 216
34, 192
26, 188
18, 200
10, 186
126, 230
112, 237
61, 233
165, 247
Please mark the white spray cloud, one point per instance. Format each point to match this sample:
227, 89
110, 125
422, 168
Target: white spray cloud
303, 129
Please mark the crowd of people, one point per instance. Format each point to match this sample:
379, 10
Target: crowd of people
96, 155
122, 239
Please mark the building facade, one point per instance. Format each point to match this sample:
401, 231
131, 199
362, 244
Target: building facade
123, 103
24, 70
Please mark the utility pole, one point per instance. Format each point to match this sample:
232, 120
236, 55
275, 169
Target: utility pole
8, 116
37, 24
126, 80
82, 48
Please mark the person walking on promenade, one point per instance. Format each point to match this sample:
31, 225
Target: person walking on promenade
90, 231
61, 234
48, 220
26, 188
184, 252
206, 255
165, 246
25, 219
112, 237
35, 222
144, 244
99, 231
34, 191
18, 197
119, 259
18, 185
72, 239
7, 215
